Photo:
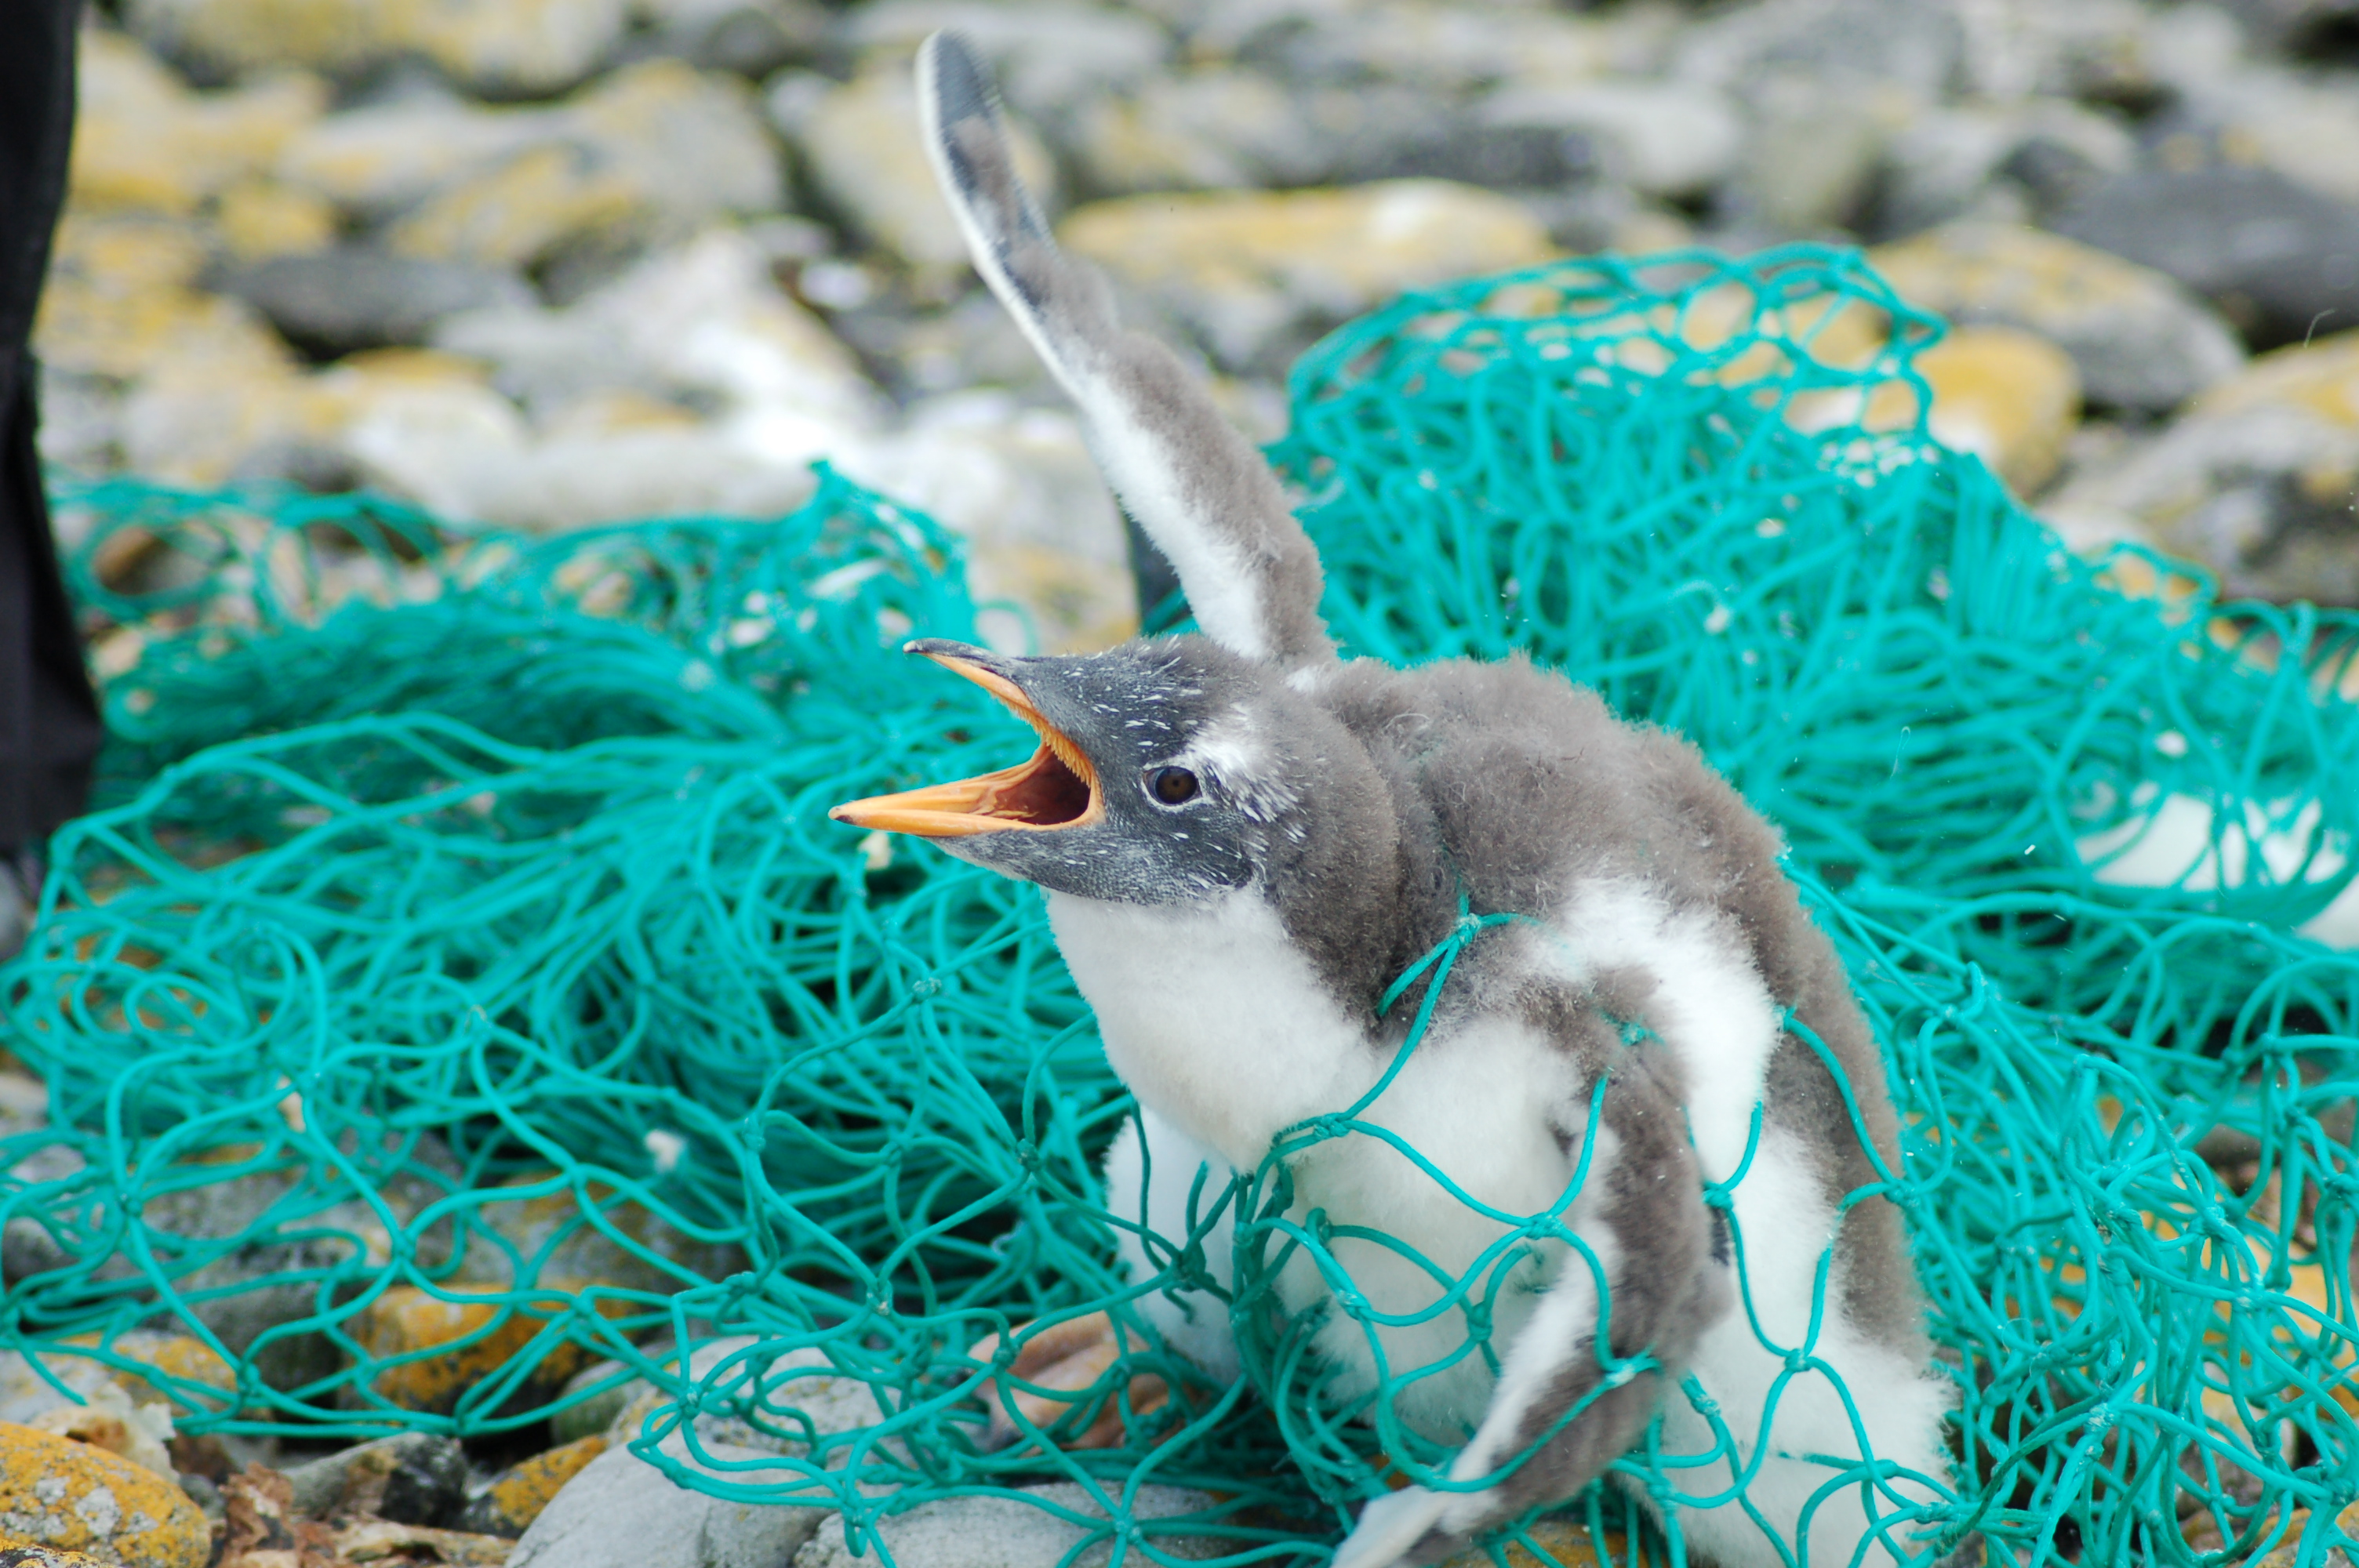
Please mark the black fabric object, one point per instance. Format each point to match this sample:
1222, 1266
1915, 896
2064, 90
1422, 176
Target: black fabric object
49, 730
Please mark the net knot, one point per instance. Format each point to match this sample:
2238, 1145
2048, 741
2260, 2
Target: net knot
1478, 1320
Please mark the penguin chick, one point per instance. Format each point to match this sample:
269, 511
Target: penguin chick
1243, 840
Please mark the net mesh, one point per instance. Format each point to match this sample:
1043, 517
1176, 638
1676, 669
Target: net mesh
458, 1001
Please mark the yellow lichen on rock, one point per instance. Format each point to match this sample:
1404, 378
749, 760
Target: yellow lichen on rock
517, 1494
515, 214
262, 218
1354, 245
2321, 378
516, 46
58, 1493
144, 142
2011, 399
121, 302
1244, 265
172, 1355
449, 1342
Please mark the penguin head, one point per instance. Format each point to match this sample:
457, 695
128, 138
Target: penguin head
1166, 770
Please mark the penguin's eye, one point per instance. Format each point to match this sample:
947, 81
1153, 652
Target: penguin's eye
1172, 787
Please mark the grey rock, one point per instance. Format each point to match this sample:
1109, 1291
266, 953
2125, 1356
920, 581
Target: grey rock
1439, 49
1665, 138
1810, 162
2304, 124
1012, 1532
747, 38
1206, 129
298, 1234
335, 301
1497, 156
415, 1479
1048, 57
2139, 339
2281, 260
2259, 484
2112, 51
622, 1511
2048, 152
82, 424
1915, 48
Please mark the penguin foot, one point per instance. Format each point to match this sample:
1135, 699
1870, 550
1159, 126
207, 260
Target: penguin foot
1065, 1363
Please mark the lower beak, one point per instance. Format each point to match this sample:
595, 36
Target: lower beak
1057, 788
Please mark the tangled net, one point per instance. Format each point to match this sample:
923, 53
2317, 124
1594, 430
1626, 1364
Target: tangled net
461, 942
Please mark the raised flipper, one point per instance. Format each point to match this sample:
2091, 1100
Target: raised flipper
1202, 491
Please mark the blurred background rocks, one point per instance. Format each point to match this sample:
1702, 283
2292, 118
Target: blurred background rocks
548, 263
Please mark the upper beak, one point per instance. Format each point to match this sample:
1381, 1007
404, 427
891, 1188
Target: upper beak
1057, 788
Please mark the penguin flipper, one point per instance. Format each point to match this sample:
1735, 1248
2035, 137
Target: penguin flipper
1651, 1238
1202, 491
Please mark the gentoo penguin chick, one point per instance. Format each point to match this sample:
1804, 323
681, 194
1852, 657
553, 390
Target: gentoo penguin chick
1245, 841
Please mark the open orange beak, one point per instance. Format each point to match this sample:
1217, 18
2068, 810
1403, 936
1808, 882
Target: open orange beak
1057, 788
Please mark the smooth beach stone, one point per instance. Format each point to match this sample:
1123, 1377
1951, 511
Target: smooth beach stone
58, 1493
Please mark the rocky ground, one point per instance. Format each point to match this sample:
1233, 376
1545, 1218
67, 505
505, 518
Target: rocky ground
546, 263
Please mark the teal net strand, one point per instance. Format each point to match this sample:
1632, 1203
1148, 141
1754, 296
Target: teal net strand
460, 924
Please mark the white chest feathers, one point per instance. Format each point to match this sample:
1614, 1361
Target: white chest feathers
1212, 1016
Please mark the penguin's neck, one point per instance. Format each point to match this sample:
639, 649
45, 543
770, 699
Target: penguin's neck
1213, 1016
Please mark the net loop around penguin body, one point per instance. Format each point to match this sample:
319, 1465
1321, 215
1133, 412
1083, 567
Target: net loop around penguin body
461, 940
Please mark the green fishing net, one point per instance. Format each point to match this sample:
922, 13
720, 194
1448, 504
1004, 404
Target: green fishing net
458, 1003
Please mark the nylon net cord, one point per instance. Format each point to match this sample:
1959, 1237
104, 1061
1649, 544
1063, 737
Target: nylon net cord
460, 932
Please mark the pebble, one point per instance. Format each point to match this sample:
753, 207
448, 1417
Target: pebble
648, 155
143, 140
2010, 397
511, 1500
556, 1229
620, 1511
416, 1477
378, 159
2139, 339
1254, 273
432, 1347
1010, 1532
802, 1381
2259, 482
1200, 129
25, 1392
1914, 48
1047, 57
259, 217
746, 37
1437, 48
2279, 259
44, 1557
108, 1418
2015, 160
2298, 124
518, 47
332, 302
69, 1496
1663, 138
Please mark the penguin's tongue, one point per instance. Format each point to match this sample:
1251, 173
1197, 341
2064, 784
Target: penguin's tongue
1057, 788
